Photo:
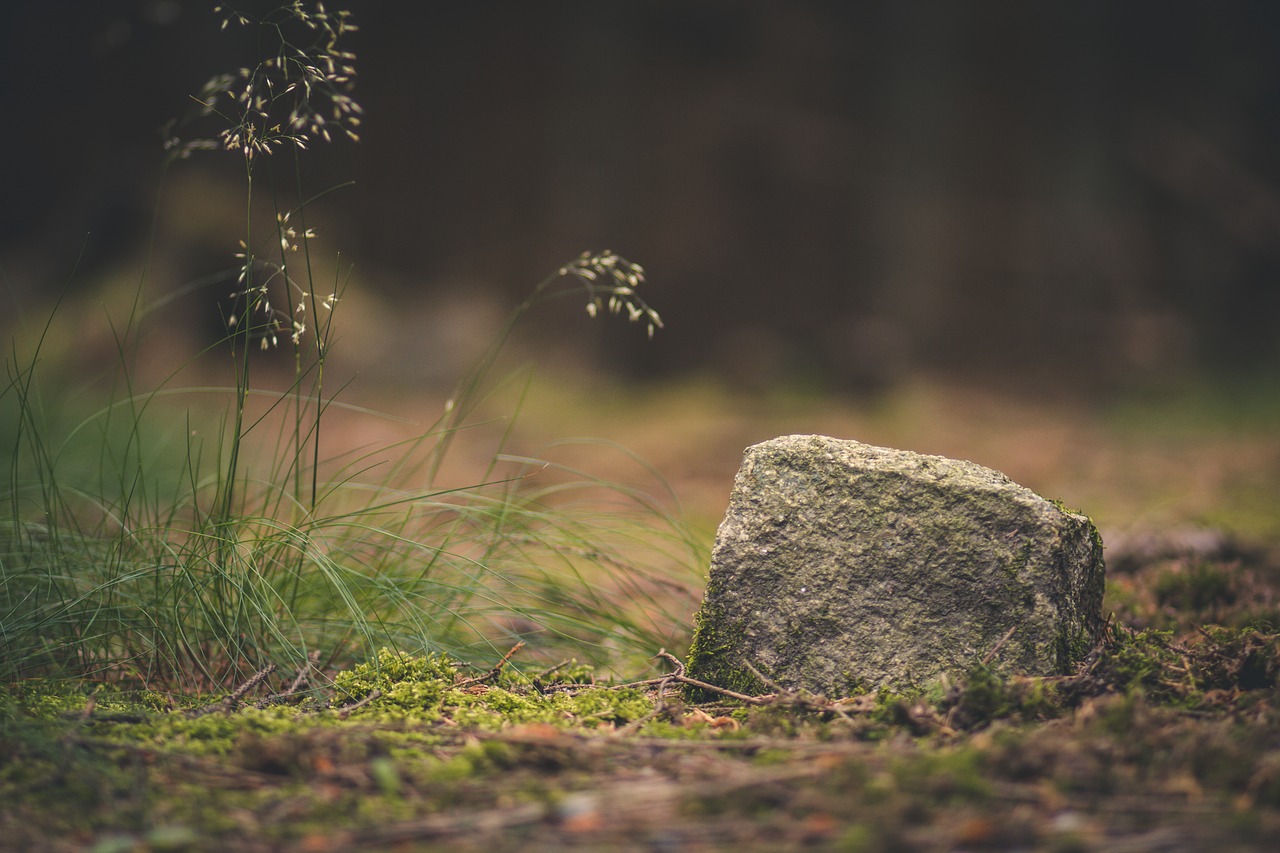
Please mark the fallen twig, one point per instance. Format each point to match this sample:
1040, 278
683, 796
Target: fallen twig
659, 710
679, 664
300, 679
779, 691
344, 710
986, 659
497, 668
304, 672
551, 670
661, 681
767, 699
230, 703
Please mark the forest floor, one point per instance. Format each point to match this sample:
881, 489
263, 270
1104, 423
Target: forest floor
1168, 738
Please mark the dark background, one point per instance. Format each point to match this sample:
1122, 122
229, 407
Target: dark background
1058, 195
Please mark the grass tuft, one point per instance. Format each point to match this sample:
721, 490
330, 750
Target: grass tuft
188, 537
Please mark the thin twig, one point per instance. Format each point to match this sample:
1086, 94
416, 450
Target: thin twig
741, 697
300, 679
986, 659
663, 653
648, 682
254, 681
230, 703
304, 672
344, 710
661, 680
659, 710
497, 668
802, 699
552, 669
777, 688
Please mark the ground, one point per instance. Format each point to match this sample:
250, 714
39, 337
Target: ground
1165, 740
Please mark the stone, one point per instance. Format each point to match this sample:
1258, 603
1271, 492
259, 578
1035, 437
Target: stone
842, 567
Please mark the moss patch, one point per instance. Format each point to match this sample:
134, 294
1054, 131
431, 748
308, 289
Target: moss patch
1161, 730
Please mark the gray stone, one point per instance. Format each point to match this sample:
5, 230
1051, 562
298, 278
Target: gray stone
842, 566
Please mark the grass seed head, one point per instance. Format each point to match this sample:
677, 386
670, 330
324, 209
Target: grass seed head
300, 91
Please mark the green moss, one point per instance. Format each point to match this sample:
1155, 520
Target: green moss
209, 734
986, 696
709, 657
496, 708
391, 669
1141, 661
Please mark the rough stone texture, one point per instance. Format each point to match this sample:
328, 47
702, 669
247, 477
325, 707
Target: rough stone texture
841, 565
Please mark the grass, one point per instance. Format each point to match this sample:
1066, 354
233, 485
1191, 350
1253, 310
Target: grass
189, 536
201, 563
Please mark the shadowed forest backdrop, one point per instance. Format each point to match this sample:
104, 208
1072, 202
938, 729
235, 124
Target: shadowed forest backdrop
1057, 195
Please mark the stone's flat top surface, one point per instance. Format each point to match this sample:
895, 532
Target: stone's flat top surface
840, 565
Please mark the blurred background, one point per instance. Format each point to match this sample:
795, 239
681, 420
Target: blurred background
1033, 198
1084, 193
